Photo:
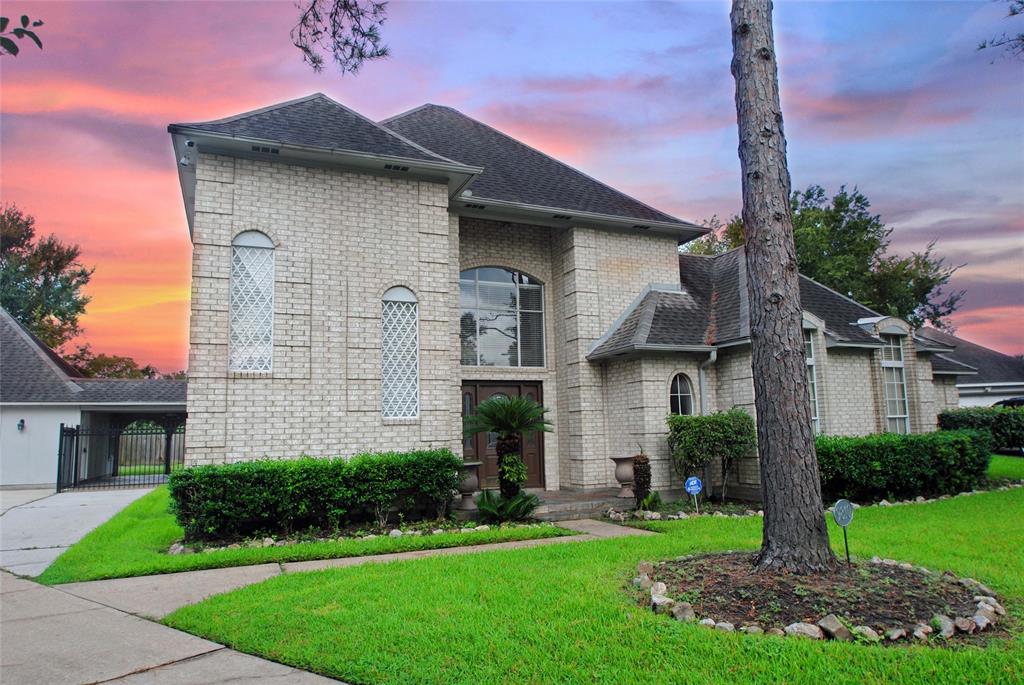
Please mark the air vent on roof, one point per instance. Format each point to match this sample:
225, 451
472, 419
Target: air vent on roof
642, 227
396, 167
563, 217
268, 150
474, 206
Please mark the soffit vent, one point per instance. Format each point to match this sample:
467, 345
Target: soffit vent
469, 205
396, 167
562, 217
265, 149
642, 227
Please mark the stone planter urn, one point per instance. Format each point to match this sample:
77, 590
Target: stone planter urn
469, 484
624, 474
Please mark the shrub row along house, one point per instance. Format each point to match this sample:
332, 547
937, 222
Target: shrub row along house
360, 285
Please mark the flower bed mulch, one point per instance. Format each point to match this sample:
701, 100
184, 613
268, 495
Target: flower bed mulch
884, 595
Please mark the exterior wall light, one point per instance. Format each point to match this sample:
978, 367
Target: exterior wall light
21, 425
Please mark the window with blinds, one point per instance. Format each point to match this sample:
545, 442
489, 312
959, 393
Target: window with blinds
502, 321
897, 411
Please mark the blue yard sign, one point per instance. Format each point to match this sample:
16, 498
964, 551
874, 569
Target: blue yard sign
693, 486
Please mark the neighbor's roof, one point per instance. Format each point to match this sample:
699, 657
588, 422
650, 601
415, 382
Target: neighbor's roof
514, 171
315, 121
943, 365
32, 373
712, 308
992, 366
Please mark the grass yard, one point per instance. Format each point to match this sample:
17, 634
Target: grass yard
133, 543
1006, 467
558, 614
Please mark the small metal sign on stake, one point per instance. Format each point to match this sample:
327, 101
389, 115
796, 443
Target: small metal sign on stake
693, 487
842, 512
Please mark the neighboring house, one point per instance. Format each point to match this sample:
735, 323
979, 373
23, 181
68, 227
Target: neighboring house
362, 286
39, 391
996, 376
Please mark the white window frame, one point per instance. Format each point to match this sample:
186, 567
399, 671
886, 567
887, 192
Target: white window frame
400, 301
812, 379
518, 312
249, 245
892, 358
674, 394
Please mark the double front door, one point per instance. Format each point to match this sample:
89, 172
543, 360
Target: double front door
482, 447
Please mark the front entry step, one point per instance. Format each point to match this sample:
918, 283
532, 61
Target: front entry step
571, 505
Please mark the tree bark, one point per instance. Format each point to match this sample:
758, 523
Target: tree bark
795, 535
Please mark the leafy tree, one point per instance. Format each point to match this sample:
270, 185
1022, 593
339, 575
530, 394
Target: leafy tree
41, 280
841, 244
347, 30
7, 38
721, 238
1012, 43
510, 418
108, 365
795, 536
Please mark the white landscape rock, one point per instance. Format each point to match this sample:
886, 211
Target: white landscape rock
710, 622
683, 611
834, 628
944, 624
658, 588
808, 630
662, 604
395, 533
894, 634
866, 633
725, 626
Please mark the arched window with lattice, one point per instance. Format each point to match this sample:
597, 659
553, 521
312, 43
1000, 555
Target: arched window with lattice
400, 355
251, 303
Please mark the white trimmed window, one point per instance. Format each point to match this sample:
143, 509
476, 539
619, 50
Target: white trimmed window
400, 355
812, 378
502, 322
251, 303
680, 397
897, 414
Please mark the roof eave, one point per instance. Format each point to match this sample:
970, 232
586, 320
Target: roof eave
633, 350
546, 216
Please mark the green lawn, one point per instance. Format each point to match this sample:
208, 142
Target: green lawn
133, 543
141, 470
558, 614
1006, 467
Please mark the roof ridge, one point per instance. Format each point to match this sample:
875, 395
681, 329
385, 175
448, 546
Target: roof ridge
260, 110
555, 160
845, 297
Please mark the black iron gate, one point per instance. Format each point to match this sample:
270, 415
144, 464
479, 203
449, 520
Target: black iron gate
139, 455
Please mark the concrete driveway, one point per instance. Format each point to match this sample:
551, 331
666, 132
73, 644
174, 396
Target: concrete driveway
35, 532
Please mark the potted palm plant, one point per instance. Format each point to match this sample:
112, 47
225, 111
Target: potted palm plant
510, 418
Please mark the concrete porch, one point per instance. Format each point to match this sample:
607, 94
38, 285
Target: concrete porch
568, 505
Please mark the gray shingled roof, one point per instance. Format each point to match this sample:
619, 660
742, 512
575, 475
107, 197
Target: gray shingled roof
514, 171
712, 308
315, 121
944, 365
30, 372
992, 366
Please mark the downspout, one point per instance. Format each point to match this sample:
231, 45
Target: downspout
712, 358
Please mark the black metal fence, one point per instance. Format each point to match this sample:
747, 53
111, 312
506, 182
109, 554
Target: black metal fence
137, 456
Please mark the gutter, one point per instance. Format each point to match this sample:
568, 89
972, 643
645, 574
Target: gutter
701, 372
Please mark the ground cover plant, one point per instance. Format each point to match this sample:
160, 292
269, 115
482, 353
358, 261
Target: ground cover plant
136, 540
560, 613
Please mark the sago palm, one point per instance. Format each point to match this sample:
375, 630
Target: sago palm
509, 418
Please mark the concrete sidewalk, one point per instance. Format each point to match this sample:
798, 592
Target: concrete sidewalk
156, 596
49, 636
34, 533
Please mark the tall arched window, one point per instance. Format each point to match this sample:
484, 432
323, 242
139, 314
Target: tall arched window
502, 320
400, 355
251, 303
681, 395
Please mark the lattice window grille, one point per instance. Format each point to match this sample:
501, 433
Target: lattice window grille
400, 363
251, 307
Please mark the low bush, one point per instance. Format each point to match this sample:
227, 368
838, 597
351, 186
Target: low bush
697, 441
496, 508
1005, 423
267, 497
890, 466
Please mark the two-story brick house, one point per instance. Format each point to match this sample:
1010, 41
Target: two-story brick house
360, 286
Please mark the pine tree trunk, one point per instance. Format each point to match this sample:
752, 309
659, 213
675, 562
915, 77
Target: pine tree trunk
795, 535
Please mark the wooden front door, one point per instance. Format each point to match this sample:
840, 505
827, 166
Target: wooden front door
482, 446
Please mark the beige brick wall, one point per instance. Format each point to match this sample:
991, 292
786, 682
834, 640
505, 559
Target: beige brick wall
849, 388
946, 394
342, 239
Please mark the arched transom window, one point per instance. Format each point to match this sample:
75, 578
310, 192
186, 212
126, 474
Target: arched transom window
502, 320
251, 303
681, 395
400, 355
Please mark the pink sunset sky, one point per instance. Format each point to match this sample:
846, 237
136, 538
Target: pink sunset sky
890, 97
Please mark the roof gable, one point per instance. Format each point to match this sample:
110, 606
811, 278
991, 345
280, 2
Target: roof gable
992, 366
513, 171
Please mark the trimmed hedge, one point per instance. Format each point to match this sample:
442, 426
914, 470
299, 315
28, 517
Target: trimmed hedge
890, 466
1005, 423
266, 497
